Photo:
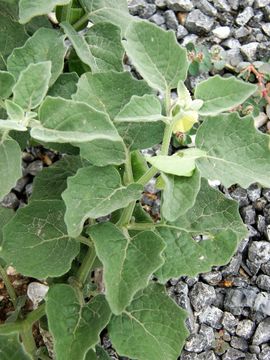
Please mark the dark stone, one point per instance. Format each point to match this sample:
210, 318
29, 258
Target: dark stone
10, 201
260, 204
259, 252
229, 322
202, 295
245, 329
211, 316
199, 23
35, 167
254, 192
233, 354
171, 20
263, 282
240, 195
239, 343
248, 214
205, 7
262, 333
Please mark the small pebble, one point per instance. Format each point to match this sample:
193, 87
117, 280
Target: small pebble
263, 282
202, 295
233, 354
259, 251
10, 201
229, 322
211, 316
35, 167
245, 329
222, 32
198, 23
262, 333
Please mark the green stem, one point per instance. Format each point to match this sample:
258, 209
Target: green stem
2, 104
81, 21
147, 176
29, 342
66, 12
86, 265
35, 315
84, 240
128, 169
10, 328
8, 285
141, 226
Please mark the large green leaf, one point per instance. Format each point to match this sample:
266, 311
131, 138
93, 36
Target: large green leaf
32, 85
65, 86
222, 94
11, 348
179, 194
213, 216
7, 82
10, 164
5, 216
12, 35
44, 45
128, 262
236, 152
104, 40
52, 181
109, 91
75, 326
114, 11
9, 9
31, 8
156, 55
152, 327
36, 242
180, 164
68, 121
94, 192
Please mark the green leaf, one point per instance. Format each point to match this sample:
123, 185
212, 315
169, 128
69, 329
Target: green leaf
75, 326
12, 125
67, 121
141, 109
152, 327
179, 194
156, 55
10, 164
139, 165
80, 45
101, 353
14, 111
180, 164
52, 181
37, 23
128, 262
104, 40
9, 9
65, 86
114, 11
12, 35
44, 45
109, 91
222, 94
7, 82
32, 85
36, 242
91, 355
31, 8
11, 348
236, 152
213, 216
5, 216
94, 192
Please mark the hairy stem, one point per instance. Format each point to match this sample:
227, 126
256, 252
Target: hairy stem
147, 176
10, 328
34, 315
81, 21
86, 265
8, 285
128, 169
29, 342
66, 12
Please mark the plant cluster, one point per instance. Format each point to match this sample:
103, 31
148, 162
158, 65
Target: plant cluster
75, 97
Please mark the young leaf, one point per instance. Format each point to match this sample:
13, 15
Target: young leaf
179, 194
7, 82
31, 8
32, 85
11, 348
94, 192
139, 164
67, 121
114, 11
212, 215
127, 262
14, 111
104, 40
156, 55
12, 125
236, 152
65, 86
221, 94
10, 164
75, 326
141, 109
152, 327
180, 164
36, 242
44, 45
109, 91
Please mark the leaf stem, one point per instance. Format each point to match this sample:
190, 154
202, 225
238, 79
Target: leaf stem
128, 168
147, 176
87, 264
2, 104
66, 12
8, 285
141, 226
84, 240
10, 328
81, 21
29, 342
169, 127
35, 315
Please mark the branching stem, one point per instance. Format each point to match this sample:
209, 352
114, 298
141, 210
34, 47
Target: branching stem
87, 264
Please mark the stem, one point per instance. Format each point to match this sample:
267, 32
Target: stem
2, 104
29, 342
81, 21
8, 285
147, 176
86, 265
141, 226
35, 315
66, 11
84, 240
128, 168
10, 328
169, 127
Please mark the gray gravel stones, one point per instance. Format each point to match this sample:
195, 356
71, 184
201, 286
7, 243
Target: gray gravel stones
34, 168
205, 7
239, 343
171, 20
196, 343
237, 299
248, 214
233, 354
212, 278
199, 23
245, 328
261, 3
249, 51
254, 192
180, 5
229, 322
222, 5
259, 252
240, 195
222, 32
263, 282
266, 28
244, 17
211, 316
262, 333
202, 295
10, 201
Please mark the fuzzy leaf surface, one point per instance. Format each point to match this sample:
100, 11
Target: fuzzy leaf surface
10, 164
35, 241
236, 152
5, 216
12, 125
128, 262
179, 194
14, 111
68, 121
221, 94
32, 85
109, 91
212, 215
156, 55
75, 326
94, 192
44, 45
65, 86
7, 82
154, 324
11, 348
